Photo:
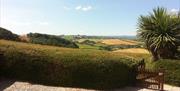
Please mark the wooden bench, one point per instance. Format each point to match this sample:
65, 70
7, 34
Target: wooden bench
153, 79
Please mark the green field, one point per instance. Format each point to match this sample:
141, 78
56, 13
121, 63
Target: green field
84, 46
98, 44
95, 40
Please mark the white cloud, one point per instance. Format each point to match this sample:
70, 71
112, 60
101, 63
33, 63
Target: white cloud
78, 7
174, 10
87, 8
83, 8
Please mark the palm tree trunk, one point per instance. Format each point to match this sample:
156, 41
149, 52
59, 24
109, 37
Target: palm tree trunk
155, 56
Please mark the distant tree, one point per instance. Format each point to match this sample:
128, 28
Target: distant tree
107, 48
7, 35
46, 39
159, 31
88, 42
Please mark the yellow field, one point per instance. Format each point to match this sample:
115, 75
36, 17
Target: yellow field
119, 42
133, 50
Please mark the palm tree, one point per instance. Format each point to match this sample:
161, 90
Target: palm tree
159, 31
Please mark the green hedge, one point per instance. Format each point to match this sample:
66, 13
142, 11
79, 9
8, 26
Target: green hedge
66, 67
172, 69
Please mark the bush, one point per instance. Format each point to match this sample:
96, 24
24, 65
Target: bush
66, 67
88, 42
8, 35
107, 48
172, 70
117, 47
46, 39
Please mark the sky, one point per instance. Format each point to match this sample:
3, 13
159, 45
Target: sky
72, 17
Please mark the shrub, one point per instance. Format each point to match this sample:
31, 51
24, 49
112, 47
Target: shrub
117, 47
88, 42
172, 70
8, 35
107, 48
46, 39
66, 67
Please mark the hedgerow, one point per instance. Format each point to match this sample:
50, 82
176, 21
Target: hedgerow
65, 66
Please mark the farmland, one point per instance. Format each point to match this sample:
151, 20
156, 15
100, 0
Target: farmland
108, 44
133, 50
119, 42
83, 48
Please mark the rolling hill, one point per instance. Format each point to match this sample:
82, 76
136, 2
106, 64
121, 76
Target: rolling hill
8, 35
54, 40
37, 38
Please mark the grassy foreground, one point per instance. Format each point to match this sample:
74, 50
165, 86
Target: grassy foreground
65, 66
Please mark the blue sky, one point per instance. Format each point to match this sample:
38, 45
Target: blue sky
86, 17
